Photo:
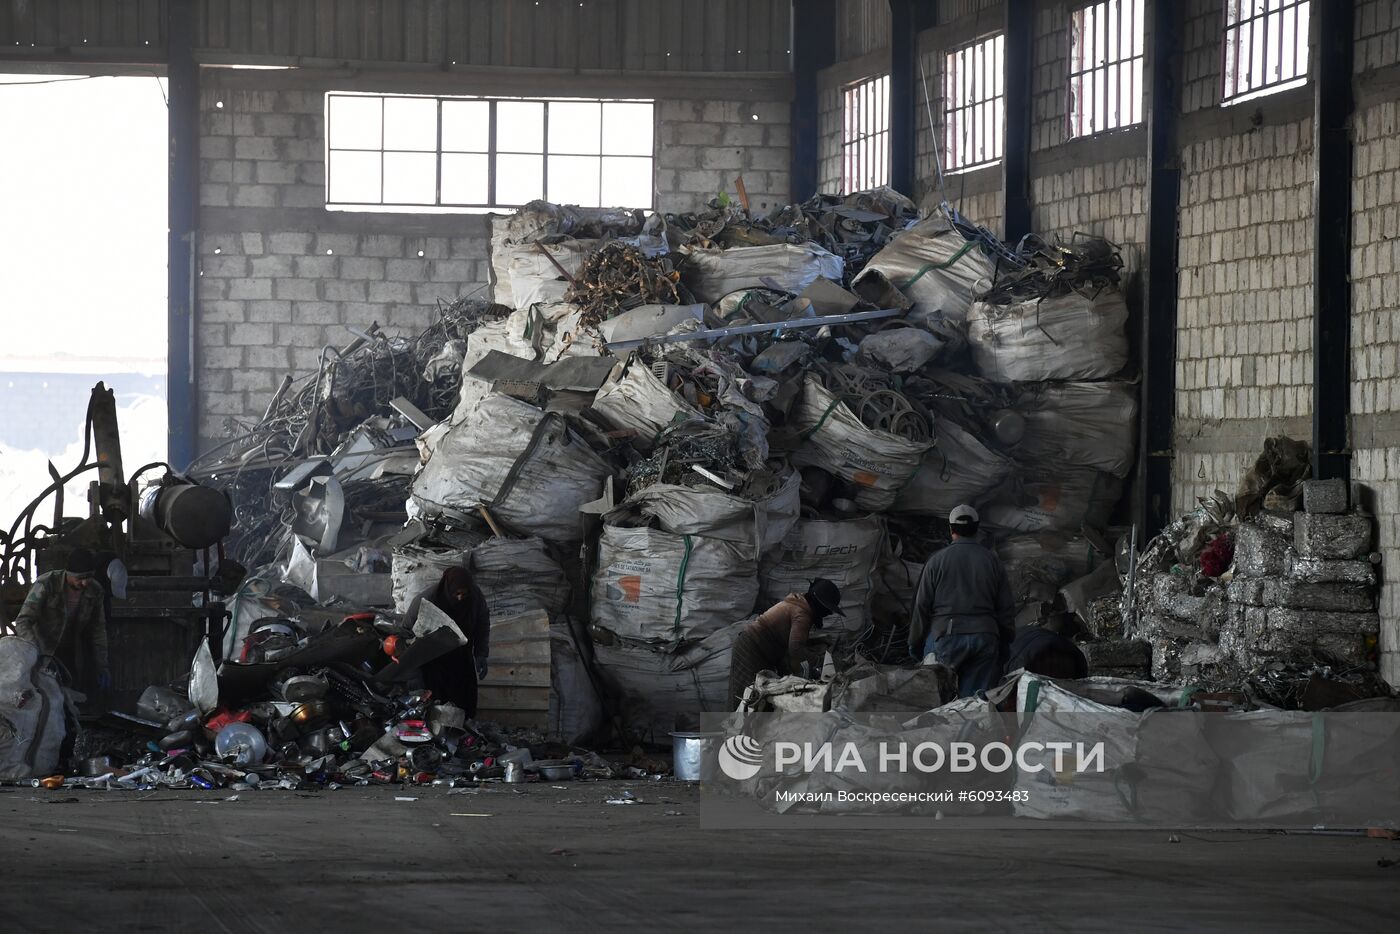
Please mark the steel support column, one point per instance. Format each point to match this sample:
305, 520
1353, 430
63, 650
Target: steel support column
183, 198
1159, 276
1016, 159
813, 48
1332, 171
908, 18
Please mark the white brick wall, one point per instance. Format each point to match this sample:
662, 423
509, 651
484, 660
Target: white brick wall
705, 145
829, 134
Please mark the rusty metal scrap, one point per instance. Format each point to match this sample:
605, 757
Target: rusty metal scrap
617, 277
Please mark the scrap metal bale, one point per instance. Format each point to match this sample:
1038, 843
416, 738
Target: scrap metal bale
1172, 597
1325, 496
1346, 598
1329, 536
1259, 552
1255, 633
1322, 571
1118, 654
1247, 590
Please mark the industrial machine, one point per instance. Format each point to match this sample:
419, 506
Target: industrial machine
167, 538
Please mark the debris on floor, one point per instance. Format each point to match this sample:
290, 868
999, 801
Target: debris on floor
663, 425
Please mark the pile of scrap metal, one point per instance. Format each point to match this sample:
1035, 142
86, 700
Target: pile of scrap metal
323, 475
786, 414
316, 704
684, 419
854, 228
1268, 595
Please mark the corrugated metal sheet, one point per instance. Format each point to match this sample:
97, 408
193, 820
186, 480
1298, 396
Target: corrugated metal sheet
862, 27
610, 35
632, 35
82, 24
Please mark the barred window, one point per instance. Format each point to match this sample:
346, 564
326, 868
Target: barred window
1105, 66
396, 152
865, 137
974, 96
1266, 47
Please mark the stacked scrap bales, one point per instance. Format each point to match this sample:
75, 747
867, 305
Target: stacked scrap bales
1298, 601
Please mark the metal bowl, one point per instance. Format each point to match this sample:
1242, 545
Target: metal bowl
554, 770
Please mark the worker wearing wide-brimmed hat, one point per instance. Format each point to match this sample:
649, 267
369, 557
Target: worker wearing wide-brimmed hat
777, 640
964, 614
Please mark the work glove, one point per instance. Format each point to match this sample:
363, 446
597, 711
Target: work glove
104, 679
481, 667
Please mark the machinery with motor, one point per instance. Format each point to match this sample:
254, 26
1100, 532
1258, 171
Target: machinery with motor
166, 595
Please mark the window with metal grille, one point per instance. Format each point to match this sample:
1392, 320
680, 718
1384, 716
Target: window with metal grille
865, 137
1105, 66
1266, 47
438, 154
974, 98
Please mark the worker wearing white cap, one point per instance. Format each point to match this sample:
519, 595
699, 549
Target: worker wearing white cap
964, 614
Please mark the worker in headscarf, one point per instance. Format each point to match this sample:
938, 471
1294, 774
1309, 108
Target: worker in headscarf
777, 640
453, 677
964, 614
63, 615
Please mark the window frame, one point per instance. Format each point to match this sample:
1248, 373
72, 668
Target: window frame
1232, 41
492, 153
997, 43
1092, 74
865, 143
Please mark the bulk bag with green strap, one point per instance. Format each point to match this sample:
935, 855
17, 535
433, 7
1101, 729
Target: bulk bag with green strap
958, 469
1064, 337
932, 266
658, 587
531, 469
876, 462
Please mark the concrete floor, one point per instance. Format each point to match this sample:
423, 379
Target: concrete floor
542, 858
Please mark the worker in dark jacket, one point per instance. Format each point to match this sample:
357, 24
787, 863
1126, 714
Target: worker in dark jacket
777, 640
63, 615
964, 614
453, 677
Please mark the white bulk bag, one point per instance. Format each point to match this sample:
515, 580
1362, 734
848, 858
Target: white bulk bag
711, 274
958, 469
529, 468
1065, 337
653, 586
932, 265
1083, 424
711, 512
836, 440
846, 552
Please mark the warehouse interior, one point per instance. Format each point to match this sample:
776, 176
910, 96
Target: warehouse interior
350, 182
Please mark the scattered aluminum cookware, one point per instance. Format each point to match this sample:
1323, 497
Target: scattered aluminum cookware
555, 770
98, 765
299, 689
323, 741
514, 773
310, 713
268, 640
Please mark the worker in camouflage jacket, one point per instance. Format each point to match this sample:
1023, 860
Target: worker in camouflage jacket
64, 616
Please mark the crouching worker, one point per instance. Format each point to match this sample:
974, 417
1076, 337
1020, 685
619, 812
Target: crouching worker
63, 615
453, 677
964, 614
777, 640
